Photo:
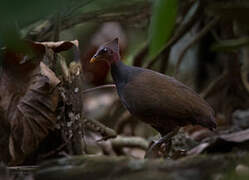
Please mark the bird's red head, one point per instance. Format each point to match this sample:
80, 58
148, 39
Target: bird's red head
108, 52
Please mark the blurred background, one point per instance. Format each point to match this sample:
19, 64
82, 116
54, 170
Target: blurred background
203, 43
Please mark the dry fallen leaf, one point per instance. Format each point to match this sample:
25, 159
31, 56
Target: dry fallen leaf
222, 142
28, 101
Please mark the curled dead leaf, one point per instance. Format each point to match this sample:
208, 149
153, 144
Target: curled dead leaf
222, 142
32, 113
61, 45
28, 99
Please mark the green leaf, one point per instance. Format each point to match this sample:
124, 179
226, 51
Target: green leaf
162, 24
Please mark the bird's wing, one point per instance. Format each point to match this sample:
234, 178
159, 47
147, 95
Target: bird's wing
153, 94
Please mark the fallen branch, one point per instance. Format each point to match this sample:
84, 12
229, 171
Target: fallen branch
208, 166
132, 142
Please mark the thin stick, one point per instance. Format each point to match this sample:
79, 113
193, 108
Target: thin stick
203, 32
97, 126
214, 86
98, 88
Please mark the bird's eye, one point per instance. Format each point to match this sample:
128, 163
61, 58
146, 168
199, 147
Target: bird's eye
103, 51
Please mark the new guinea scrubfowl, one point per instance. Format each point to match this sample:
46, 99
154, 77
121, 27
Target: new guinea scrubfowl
157, 99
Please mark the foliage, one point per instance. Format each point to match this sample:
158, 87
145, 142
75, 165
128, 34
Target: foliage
16, 14
162, 24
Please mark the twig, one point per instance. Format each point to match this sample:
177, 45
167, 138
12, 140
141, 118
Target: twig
203, 32
97, 126
179, 33
99, 87
214, 86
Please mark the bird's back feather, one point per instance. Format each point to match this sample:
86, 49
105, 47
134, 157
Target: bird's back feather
149, 95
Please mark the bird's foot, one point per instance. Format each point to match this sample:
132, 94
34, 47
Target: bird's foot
155, 149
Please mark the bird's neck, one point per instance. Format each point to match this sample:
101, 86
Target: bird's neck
117, 71
120, 73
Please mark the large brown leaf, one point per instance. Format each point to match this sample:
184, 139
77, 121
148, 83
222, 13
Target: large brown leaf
28, 101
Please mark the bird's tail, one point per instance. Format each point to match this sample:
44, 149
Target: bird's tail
208, 122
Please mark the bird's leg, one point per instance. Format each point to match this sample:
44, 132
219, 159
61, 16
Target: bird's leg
154, 148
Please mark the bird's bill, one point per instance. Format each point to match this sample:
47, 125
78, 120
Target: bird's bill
93, 60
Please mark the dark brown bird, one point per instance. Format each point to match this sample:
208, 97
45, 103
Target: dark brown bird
155, 98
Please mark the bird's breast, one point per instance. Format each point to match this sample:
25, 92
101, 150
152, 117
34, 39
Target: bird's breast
120, 91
